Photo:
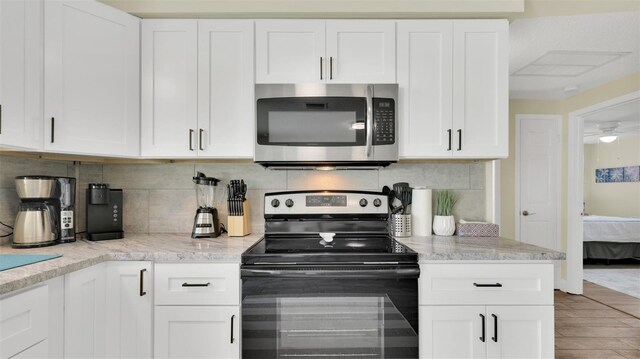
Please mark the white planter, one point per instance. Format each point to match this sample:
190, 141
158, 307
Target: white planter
444, 225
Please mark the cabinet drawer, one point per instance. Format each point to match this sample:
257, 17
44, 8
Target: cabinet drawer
24, 320
477, 284
197, 284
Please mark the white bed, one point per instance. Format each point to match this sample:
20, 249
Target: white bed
611, 237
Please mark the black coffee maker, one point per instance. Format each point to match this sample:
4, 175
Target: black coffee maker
104, 212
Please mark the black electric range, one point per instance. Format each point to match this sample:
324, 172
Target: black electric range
327, 280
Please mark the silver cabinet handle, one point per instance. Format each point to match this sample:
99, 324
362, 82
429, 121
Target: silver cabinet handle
330, 68
142, 292
369, 119
527, 213
200, 140
190, 139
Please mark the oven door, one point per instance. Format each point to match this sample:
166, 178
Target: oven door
317, 312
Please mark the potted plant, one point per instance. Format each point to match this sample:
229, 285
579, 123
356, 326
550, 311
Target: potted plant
443, 223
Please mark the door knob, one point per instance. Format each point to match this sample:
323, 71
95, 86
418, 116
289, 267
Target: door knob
526, 213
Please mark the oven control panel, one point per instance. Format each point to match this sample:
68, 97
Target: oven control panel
325, 202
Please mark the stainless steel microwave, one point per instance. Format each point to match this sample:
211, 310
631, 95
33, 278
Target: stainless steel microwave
314, 125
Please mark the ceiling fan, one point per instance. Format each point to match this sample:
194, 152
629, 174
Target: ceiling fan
609, 131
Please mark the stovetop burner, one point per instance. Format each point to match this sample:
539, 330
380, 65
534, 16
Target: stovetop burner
354, 225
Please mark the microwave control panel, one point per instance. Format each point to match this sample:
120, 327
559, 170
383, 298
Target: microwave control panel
384, 121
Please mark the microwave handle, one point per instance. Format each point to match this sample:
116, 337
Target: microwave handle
369, 119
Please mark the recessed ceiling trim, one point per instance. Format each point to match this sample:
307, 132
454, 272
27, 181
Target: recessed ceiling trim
537, 67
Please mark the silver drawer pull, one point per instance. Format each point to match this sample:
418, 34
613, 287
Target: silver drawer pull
481, 285
185, 284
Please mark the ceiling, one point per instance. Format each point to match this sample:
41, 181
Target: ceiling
626, 116
557, 57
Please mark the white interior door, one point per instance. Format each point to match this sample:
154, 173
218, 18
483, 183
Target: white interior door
538, 181
539, 163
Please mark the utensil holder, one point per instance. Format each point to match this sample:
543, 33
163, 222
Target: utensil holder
240, 226
400, 225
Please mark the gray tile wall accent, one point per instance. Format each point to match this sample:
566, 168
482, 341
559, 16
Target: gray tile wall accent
160, 198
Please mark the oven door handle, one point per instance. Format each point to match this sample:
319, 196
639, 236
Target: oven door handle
400, 273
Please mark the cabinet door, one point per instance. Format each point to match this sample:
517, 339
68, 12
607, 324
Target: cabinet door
480, 88
290, 51
361, 51
520, 332
452, 332
226, 104
38, 351
129, 308
169, 88
85, 315
197, 332
24, 320
425, 88
92, 79
21, 59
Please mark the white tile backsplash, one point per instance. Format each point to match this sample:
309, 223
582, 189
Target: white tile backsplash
160, 198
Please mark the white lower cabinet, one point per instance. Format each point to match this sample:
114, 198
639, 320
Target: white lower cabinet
24, 321
451, 332
129, 309
85, 315
197, 313
486, 310
471, 332
197, 332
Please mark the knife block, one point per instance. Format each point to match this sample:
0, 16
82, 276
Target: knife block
240, 226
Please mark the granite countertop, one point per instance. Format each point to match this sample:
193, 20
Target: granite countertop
438, 248
135, 247
181, 248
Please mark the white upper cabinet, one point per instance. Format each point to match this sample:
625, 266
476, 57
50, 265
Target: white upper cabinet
197, 88
21, 75
481, 88
361, 51
169, 88
92, 79
453, 81
425, 87
335, 51
290, 51
226, 114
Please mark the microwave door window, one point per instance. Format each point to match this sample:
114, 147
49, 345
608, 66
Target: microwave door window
314, 128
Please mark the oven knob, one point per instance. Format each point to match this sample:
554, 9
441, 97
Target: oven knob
275, 202
377, 202
363, 203
289, 203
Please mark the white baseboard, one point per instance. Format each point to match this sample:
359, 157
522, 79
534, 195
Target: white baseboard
561, 284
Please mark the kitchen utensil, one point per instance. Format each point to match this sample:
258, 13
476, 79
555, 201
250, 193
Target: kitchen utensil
209, 194
35, 225
238, 220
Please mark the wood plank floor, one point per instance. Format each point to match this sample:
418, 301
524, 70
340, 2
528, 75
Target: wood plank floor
601, 324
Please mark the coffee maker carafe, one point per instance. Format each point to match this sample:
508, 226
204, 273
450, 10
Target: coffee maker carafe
46, 211
206, 223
